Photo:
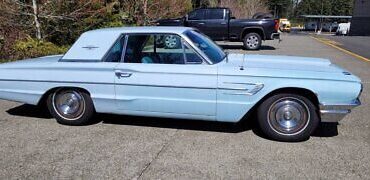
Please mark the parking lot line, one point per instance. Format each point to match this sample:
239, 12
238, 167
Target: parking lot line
329, 43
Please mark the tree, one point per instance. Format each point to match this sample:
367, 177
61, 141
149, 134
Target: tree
240, 8
145, 12
281, 8
325, 7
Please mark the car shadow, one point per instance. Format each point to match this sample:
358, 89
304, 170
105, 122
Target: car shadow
326, 130
241, 47
27, 110
194, 125
249, 123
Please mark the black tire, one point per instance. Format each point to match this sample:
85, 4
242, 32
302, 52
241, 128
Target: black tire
77, 105
293, 109
252, 41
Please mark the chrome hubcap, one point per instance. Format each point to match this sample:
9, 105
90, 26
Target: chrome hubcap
288, 116
69, 104
170, 41
252, 41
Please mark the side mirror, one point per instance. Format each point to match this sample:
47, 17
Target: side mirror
232, 17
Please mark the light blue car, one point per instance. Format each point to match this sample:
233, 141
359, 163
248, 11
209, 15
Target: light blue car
176, 72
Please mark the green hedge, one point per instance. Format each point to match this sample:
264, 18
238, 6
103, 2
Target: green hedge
30, 48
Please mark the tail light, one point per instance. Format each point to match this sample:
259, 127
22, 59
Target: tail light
276, 25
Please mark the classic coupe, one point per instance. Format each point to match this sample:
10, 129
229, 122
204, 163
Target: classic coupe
130, 71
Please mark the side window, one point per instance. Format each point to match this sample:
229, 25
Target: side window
115, 53
197, 14
191, 56
159, 49
215, 14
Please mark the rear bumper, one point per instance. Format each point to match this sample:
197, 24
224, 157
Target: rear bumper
275, 36
336, 112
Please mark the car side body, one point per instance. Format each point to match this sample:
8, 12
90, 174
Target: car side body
225, 91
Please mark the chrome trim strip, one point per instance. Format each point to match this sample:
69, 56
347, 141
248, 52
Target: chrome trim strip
80, 60
102, 83
336, 112
245, 91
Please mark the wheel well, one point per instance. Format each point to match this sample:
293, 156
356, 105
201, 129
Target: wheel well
255, 30
298, 91
44, 97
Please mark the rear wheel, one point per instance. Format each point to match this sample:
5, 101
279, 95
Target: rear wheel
288, 117
71, 106
252, 41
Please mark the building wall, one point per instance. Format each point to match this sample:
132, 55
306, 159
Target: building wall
360, 23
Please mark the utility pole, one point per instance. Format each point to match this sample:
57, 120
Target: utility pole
322, 13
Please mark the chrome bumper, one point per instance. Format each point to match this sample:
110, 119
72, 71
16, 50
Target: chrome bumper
275, 36
336, 112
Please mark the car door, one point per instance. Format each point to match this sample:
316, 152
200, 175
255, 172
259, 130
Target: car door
155, 80
217, 24
197, 19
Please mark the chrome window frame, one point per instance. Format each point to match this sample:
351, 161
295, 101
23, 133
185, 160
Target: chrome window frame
104, 59
183, 37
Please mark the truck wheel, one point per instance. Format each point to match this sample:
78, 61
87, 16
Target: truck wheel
287, 117
252, 41
171, 42
71, 107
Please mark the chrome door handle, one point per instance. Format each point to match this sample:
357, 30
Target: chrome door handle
201, 23
223, 23
122, 74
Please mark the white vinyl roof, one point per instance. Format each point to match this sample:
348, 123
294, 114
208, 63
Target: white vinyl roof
93, 45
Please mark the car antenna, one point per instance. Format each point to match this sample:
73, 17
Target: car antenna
227, 57
242, 66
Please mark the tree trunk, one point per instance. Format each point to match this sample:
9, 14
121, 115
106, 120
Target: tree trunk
37, 22
145, 9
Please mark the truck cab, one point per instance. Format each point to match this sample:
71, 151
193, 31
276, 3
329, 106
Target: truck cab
219, 24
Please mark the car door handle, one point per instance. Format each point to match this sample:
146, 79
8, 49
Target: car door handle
122, 74
223, 23
201, 23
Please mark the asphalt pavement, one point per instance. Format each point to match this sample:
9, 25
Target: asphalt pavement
34, 146
357, 44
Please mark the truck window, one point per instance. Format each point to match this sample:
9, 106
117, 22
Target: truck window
215, 14
197, 14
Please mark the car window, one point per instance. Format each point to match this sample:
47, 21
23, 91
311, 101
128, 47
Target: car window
197, 15
215, 14
209, 48
191, 56
159, 49
115, 53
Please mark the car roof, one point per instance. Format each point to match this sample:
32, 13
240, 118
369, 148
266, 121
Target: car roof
142, 29
93, 45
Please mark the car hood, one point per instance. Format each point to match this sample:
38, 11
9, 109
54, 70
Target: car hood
285, 66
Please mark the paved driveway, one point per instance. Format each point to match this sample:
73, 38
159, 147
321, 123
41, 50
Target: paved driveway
34, 146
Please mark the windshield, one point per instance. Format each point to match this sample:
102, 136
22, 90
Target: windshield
212, 50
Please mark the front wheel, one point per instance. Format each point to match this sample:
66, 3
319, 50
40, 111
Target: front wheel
288, 117
171, 42
71, 106
252, 41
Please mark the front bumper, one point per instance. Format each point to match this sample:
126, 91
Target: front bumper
336, 112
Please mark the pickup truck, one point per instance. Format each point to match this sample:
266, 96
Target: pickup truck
220, 25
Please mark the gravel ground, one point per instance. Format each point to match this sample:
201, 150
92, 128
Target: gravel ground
34, 146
